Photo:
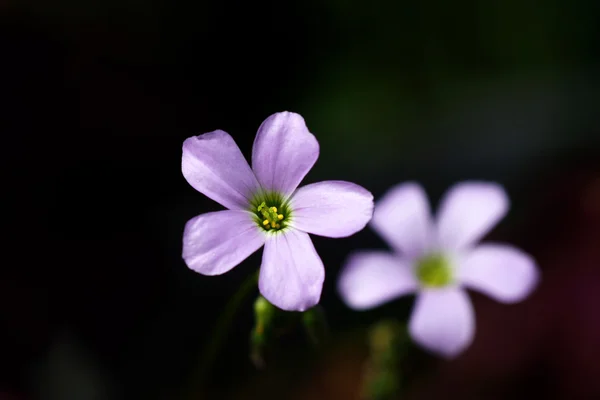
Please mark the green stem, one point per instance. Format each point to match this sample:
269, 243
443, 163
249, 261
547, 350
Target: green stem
315, 326
384, 375
215, 342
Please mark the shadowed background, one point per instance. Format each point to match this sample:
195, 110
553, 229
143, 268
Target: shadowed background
97, 97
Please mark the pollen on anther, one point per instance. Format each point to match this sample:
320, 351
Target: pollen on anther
266, 222
280, 217
274, 209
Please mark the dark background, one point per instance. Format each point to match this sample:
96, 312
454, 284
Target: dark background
96, 98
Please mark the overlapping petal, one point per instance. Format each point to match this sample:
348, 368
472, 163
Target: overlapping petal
214, 165
292, 273
403, 218
331, 208
443, 321
468, 211
214, 243
371, 278
283, 152
502, 272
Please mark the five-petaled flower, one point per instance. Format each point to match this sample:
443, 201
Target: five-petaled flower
438, 261
266, 208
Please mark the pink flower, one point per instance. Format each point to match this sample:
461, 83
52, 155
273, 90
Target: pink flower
438, 261
264, 207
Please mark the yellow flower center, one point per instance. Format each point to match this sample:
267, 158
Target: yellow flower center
272, 212
271, 217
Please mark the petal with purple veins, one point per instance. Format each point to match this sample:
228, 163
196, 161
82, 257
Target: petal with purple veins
292, 273
283, 152
214, 243
331, 208
214, 165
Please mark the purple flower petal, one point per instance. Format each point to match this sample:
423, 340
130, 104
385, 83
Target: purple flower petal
503, 272
372, 278
283, 153
403, 218
292, 273
214, 165
215, 242
331, 208
468, 211
443, 321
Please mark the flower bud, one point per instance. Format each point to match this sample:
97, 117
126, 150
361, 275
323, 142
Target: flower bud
264, 313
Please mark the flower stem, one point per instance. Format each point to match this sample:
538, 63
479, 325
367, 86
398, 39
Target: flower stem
219, 334
384, 377
315, 326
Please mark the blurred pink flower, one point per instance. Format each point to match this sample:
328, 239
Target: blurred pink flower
438, 260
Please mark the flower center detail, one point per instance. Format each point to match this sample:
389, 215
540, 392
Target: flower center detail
271, 211
271, 218
434, 270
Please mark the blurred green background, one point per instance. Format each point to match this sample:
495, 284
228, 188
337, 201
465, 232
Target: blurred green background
98, 96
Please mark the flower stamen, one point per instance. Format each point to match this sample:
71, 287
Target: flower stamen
270, 215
